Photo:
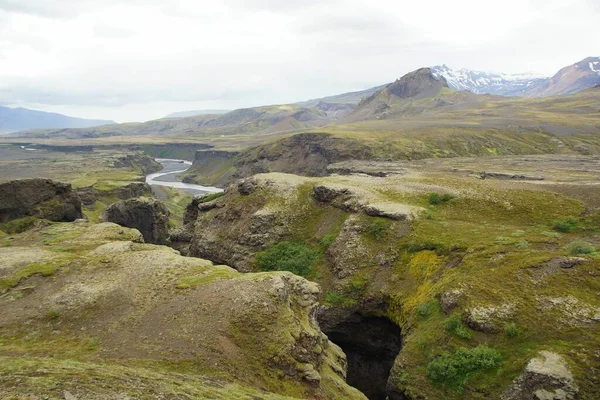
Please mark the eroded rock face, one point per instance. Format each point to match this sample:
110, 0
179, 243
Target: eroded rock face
546, 377
146, 302
89, 195
42, 198
149, 216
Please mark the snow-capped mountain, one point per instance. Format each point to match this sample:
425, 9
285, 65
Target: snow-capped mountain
570, 79
481, 82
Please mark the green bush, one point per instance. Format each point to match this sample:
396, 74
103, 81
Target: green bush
463, 332
579, 247
424, 310
511, 329
436, 198
454, 325
565, 225
378, 228
287, 256
452, 322
454, 369
327, 241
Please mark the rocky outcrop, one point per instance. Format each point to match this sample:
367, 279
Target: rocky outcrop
211, 167
546, 377
139, 161
89, 195
41, 198
149, 216
148, 307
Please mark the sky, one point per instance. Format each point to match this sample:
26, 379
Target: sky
136, 60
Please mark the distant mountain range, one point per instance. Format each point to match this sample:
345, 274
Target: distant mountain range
18, 119
570, 79
193, 113
436, 90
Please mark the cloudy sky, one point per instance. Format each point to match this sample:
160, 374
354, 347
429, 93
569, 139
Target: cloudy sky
134, 60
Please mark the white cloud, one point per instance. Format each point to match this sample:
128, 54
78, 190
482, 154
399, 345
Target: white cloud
141, 59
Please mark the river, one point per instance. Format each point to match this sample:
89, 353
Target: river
169, 176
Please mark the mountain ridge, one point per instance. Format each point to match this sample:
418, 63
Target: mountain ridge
570, 79
18, 119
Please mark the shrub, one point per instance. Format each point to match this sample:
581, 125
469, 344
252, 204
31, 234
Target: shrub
359, 283
565, 225
338, 299
378, 228
522, 244
463, 332
327, 241
579, 247
453, 369
287, 256
511, 329
454, 325
436, 198
453, 322
423, 310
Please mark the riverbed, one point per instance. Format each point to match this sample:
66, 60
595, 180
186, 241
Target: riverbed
169, 176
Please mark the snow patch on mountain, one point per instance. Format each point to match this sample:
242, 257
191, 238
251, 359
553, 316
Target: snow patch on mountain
593, 65
481, 82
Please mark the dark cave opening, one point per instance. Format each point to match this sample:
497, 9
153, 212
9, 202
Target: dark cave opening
371, 345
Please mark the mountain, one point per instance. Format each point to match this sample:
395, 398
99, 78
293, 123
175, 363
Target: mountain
416, 85
17, 119
255, 121
570, 79
193, 113
481, 82
344, 98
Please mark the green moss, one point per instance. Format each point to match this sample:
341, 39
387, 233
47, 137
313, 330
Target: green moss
44, 269
207, 275
18, 225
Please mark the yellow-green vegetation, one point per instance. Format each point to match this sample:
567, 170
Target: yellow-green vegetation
18, 225
176, 201
179, 326
287, 256
489, 244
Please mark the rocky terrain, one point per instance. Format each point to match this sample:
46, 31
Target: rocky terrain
439, 281
88, 311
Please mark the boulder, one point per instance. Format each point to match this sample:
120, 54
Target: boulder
41, 198
247, 186
149, 216
546, 377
